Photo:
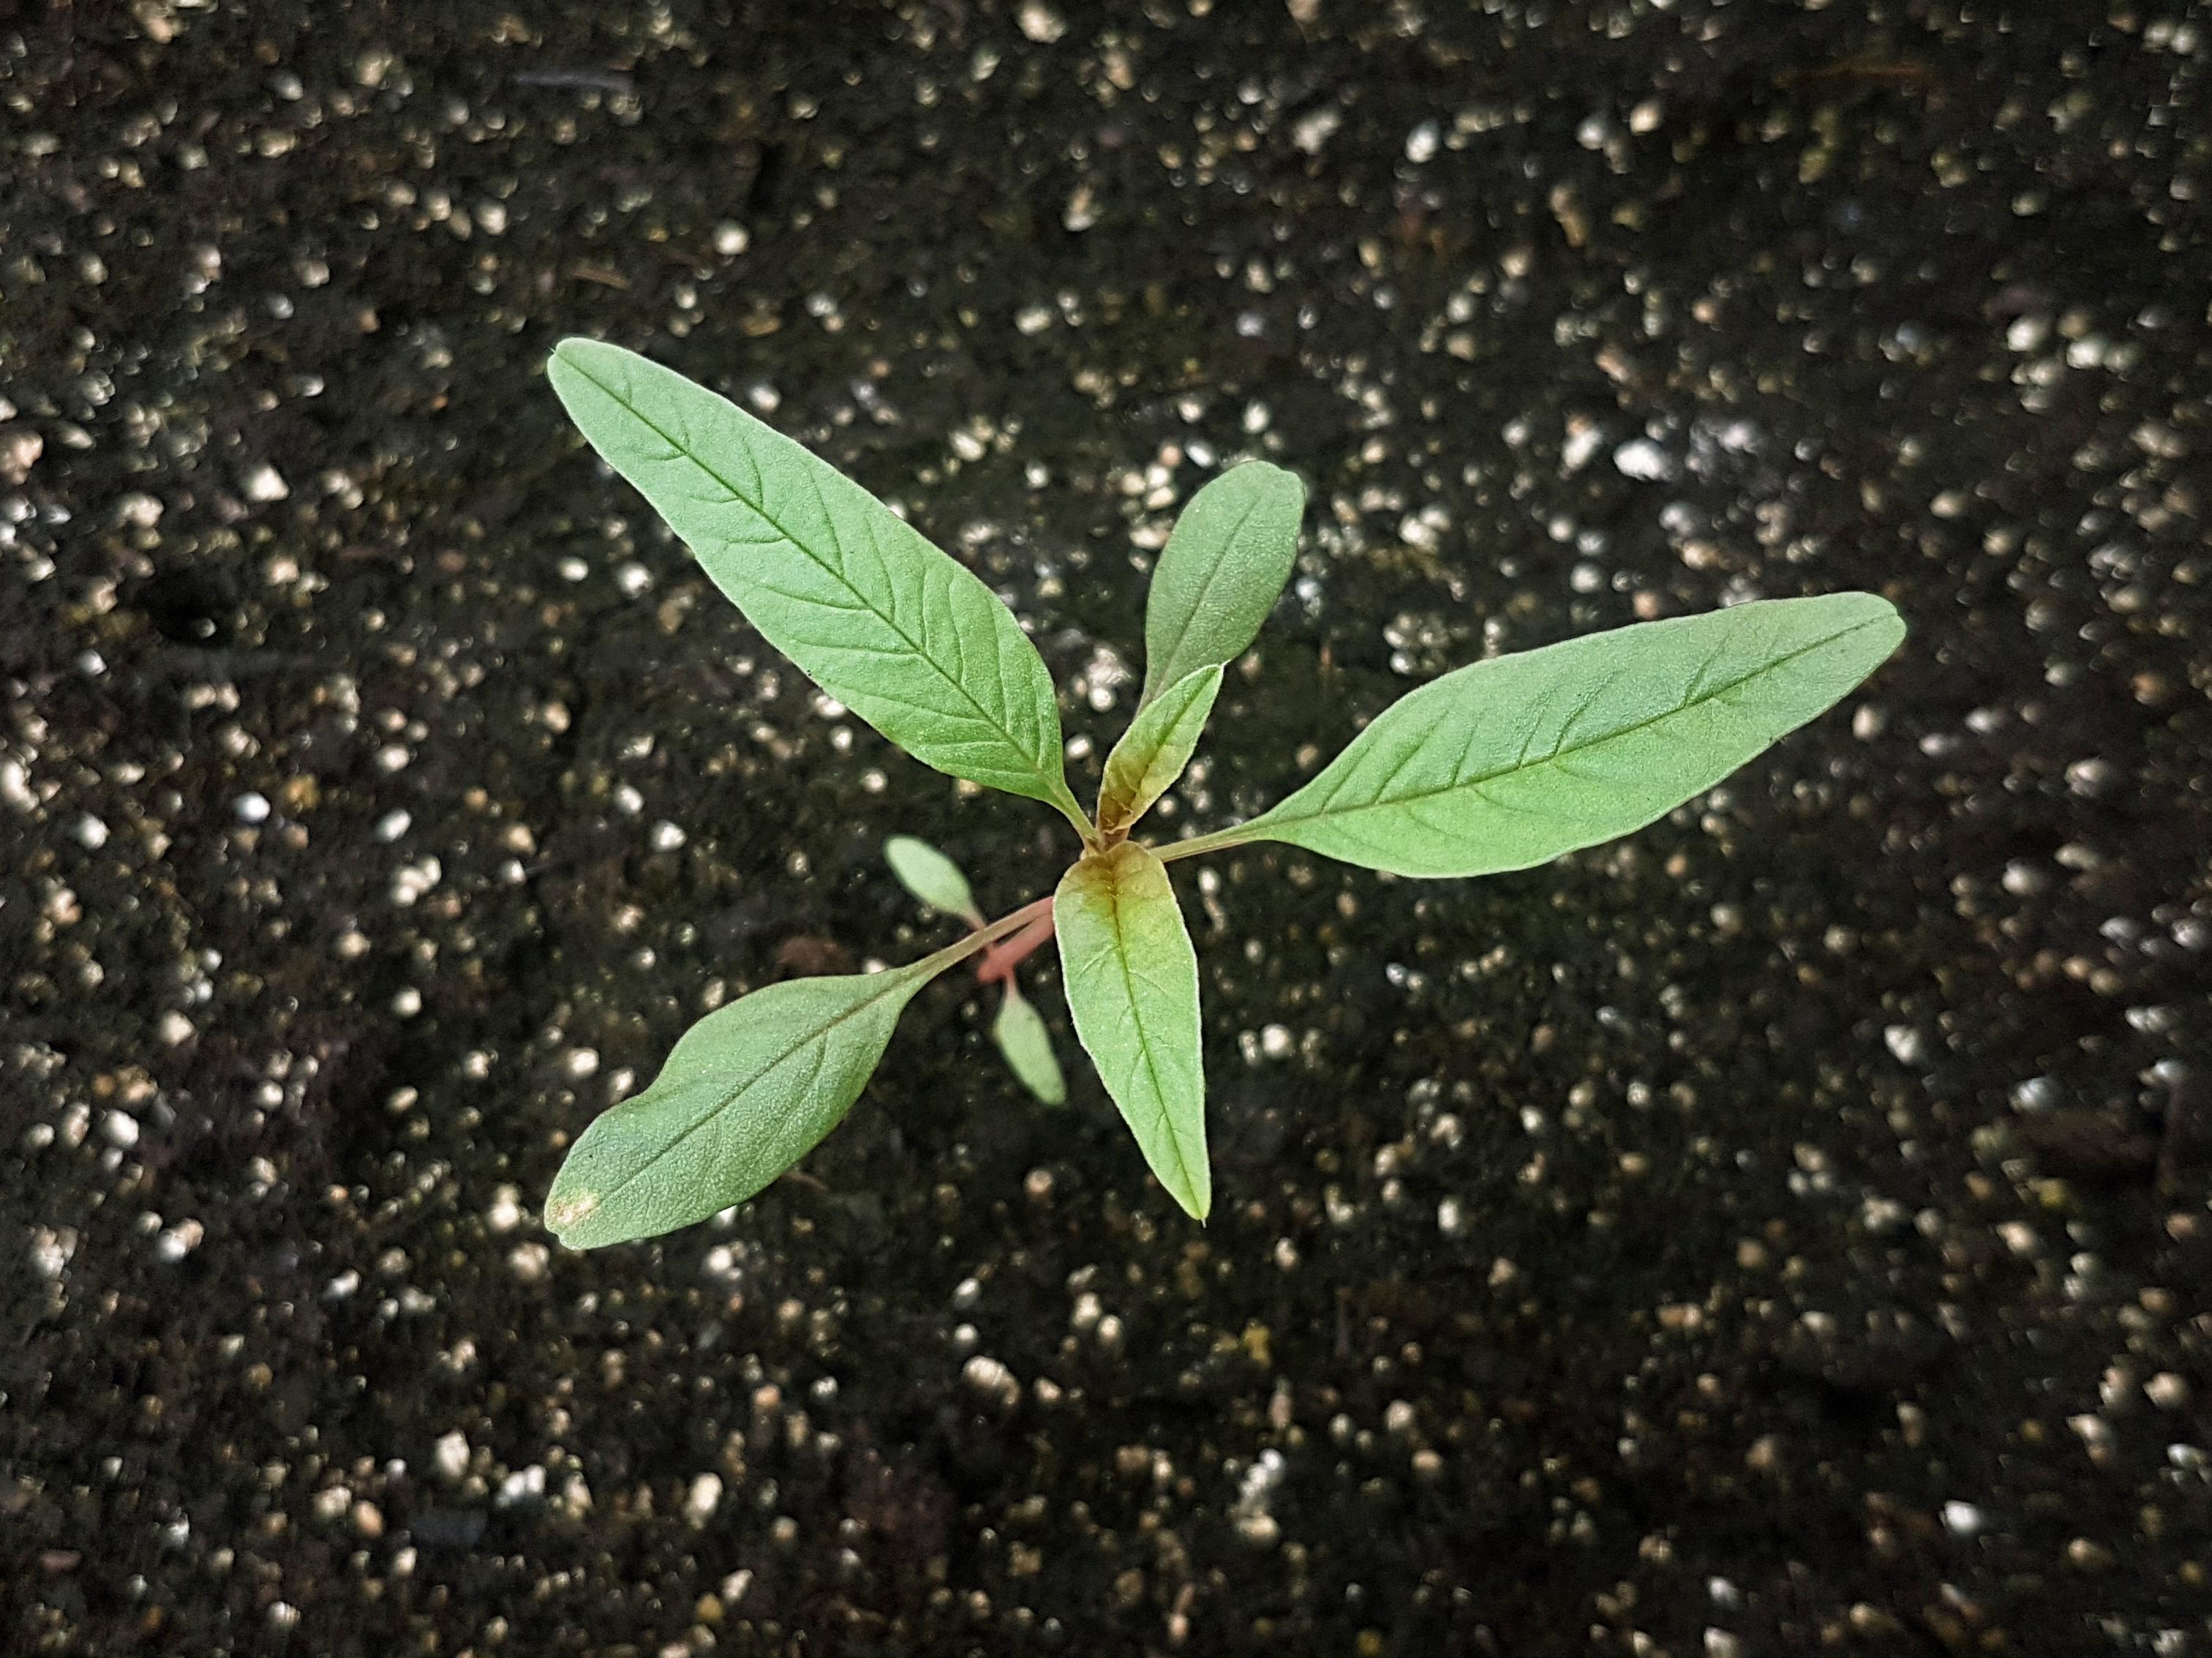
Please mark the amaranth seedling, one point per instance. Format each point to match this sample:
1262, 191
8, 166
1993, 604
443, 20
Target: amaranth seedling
1498, 765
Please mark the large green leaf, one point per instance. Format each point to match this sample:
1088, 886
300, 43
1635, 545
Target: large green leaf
1132, 982
931, 877
888, 624
1154, 750
1225, 562
1511, 762
747, 1091
1020, 1033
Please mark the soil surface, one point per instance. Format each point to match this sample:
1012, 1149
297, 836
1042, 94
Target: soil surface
1785, 1231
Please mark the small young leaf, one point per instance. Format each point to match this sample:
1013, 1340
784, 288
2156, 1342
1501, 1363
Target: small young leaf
1132, 982
1020, 1033
747, 1091
1154, 750
1229, 554
931, 877
886, 623
1511, 762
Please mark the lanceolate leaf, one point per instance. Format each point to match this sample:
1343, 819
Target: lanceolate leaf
1131, 981
889, 625
931, 877
1020, 1033
747, 1091
1511, 762
1154, 750
1225, 564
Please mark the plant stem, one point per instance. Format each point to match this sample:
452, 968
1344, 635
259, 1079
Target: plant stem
983, 937
1000, 960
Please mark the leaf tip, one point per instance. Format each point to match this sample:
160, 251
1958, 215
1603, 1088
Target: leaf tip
578, 357
1193, 1190
1864, 607
1871, 612
565, 352
1266, 471
566, 1211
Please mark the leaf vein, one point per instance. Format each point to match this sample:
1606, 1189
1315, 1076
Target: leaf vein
728, 1096
1326, 806
1205, 585
758, 502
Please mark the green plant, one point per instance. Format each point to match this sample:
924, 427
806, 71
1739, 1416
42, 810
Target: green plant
1498, 765
1019, 1030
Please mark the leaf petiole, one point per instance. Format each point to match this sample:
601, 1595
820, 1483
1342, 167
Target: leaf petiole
1064, 802
1198, 846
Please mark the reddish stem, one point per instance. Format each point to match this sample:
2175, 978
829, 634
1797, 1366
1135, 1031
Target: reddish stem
1002, 958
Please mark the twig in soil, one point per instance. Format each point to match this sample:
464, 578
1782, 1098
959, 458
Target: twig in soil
576, 80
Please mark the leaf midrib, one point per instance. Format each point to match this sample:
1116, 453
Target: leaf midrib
1277, 817
1204, 586
1143, 1038
731, 1098
761, 510
1129, 797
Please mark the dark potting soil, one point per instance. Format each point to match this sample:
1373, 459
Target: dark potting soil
1786, 1229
